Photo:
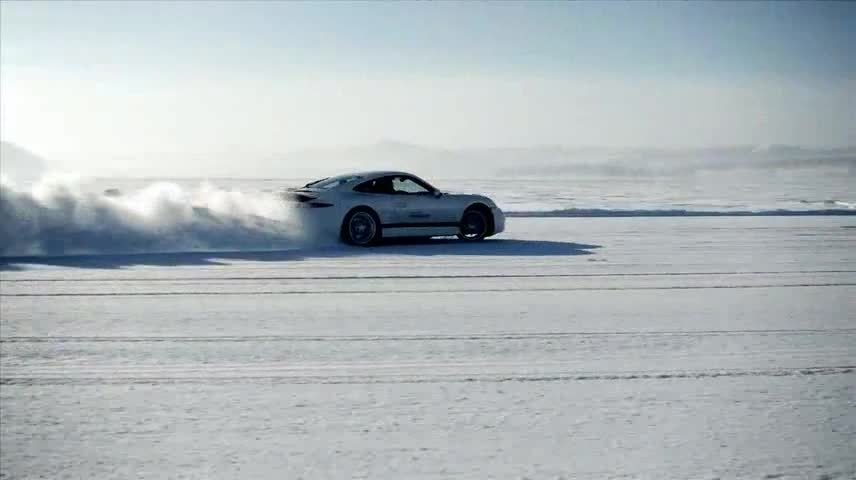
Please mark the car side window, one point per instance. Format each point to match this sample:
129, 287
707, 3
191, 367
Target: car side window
407, 185
378, 185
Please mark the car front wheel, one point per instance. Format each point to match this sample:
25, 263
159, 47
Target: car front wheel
474, 225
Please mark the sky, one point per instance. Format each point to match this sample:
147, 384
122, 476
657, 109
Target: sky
103, 84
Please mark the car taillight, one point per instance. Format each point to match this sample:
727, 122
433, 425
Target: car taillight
303, 200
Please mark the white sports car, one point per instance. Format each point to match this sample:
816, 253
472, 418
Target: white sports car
364, 207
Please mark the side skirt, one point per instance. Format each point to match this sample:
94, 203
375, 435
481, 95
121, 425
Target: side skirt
420, 231
421, 225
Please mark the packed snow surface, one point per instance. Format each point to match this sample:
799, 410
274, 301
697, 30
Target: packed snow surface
661, 348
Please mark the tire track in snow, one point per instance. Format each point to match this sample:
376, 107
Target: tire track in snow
429, 291
416, 277
416, 337
402, 379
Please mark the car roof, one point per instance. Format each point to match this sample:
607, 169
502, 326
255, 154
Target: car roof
380, 173
365, 176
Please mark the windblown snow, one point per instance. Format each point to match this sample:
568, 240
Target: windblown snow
63, 215
58, 216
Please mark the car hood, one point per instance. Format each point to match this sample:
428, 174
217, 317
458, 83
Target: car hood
471, 197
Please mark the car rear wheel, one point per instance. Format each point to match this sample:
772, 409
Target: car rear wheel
361, 227
474, 225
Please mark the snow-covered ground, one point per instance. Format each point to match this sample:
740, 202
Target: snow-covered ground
566, 348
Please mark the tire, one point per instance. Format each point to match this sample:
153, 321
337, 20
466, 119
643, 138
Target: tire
361, 227
474, 225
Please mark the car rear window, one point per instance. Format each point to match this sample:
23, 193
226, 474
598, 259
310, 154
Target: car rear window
333, 182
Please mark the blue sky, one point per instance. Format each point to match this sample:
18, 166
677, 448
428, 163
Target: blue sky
798, 38
334, 73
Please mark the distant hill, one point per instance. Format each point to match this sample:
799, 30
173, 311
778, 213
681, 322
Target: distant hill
652, 161
20, 164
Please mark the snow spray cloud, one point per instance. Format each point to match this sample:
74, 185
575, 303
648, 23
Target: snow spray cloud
57, 217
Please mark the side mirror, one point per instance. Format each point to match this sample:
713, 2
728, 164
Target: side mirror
438, 194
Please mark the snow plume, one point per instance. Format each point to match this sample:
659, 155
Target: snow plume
58, 217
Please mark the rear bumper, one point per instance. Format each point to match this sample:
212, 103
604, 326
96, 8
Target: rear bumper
498, 220
319, 225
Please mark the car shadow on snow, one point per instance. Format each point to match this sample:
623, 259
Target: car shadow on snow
411, 247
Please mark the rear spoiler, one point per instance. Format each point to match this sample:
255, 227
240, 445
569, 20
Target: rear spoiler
301, 196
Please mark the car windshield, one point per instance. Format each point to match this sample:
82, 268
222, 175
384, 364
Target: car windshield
332, 182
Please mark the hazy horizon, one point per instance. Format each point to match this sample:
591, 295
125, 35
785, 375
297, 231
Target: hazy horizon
547, 160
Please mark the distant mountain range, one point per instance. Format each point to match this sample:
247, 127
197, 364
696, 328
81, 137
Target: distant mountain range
16, 161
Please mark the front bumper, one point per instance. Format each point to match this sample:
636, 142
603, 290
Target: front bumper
498, 220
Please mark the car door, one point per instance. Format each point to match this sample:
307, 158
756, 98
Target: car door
379, 194
419, 207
